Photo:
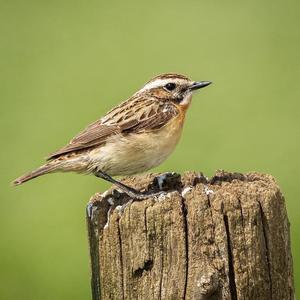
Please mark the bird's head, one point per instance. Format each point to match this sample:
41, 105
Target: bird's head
173, 87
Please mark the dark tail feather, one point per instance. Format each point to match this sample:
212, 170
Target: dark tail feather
45, 169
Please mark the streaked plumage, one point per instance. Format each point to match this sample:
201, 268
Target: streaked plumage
138, 114
133, 137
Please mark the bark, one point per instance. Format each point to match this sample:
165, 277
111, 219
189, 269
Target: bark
223, 238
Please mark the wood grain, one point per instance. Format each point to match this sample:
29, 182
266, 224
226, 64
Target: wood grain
223, 238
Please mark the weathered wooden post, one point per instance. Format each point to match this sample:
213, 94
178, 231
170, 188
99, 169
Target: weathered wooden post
223, 238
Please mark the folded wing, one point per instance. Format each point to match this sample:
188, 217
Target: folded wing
130, 117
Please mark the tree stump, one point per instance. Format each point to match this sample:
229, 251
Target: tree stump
221, 238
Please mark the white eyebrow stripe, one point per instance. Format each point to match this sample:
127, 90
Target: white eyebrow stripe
159, 82
156, 83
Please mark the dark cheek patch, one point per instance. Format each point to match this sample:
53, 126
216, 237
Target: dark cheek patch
181, 95
179, 99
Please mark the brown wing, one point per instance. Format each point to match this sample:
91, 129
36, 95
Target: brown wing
132, 116
94, 134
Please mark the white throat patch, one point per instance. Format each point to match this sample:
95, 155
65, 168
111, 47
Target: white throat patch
187, 99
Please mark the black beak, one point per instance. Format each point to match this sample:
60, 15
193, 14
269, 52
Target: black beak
199, 85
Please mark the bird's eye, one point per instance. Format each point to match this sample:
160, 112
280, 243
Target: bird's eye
170, 86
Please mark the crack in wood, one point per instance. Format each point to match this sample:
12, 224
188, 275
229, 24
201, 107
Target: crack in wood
232, 284
267, 252
121, 259
161, 270
186, 234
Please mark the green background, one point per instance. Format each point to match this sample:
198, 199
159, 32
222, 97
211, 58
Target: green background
65, 63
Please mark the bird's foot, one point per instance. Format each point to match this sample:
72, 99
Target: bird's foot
141, 196
131, 192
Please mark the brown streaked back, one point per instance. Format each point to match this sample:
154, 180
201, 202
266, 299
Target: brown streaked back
133, 116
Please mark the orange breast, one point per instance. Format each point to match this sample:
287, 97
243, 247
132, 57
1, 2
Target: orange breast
182, 111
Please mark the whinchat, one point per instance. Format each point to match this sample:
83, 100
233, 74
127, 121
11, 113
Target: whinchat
135, 136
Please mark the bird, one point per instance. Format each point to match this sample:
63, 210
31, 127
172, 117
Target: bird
133, 137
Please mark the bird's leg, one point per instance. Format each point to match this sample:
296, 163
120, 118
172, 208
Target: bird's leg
131, 192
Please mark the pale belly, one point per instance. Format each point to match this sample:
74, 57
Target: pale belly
136, 153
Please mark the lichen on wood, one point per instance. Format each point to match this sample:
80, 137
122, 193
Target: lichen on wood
221, 238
